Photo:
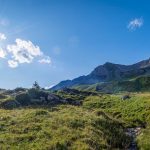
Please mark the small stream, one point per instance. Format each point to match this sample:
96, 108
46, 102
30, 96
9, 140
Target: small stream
133, 133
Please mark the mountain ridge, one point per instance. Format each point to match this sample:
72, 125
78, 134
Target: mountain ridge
108, 72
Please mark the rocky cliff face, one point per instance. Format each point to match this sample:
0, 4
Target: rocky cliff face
108, 72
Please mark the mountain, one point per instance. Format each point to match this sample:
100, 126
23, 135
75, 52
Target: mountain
108, 73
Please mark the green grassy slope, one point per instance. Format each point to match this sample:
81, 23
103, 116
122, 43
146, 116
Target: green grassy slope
131, 85
133, 112
97, 124
65, 127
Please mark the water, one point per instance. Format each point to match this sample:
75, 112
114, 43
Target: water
133, 133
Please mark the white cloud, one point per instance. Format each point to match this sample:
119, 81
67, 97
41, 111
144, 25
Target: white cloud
12, 63
46, 60
24, 51
2, 37
48, 87
135, 23
2, 53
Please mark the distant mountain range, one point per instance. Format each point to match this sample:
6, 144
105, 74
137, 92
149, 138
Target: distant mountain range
108, 74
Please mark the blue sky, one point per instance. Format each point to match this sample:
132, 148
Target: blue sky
53, 40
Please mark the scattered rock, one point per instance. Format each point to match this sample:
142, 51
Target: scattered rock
77, 92
10, 104
125, 97
133, 133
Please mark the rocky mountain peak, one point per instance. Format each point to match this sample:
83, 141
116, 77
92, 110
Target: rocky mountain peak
109, 72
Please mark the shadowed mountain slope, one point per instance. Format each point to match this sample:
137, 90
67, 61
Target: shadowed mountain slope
108, 72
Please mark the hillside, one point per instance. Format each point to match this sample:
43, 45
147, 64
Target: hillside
72, 119
107, 109
141, 83
107, 73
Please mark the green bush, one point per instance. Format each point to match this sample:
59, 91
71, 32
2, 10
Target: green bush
33, 93
36, 93
19, 89
23, 99
9, 104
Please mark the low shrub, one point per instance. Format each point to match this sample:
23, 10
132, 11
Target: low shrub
2, 96
23, 99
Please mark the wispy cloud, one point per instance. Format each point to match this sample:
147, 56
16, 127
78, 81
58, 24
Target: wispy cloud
48, 87
135, 23
12, 63
2, 37
2, 53
46, 60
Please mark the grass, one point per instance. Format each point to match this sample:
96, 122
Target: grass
98, 124
65, 127
133, 112
130, 84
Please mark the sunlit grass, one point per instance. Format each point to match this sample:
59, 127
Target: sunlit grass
97, 124
66, 127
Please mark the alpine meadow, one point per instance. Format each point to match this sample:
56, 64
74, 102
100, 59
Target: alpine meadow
75, 75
